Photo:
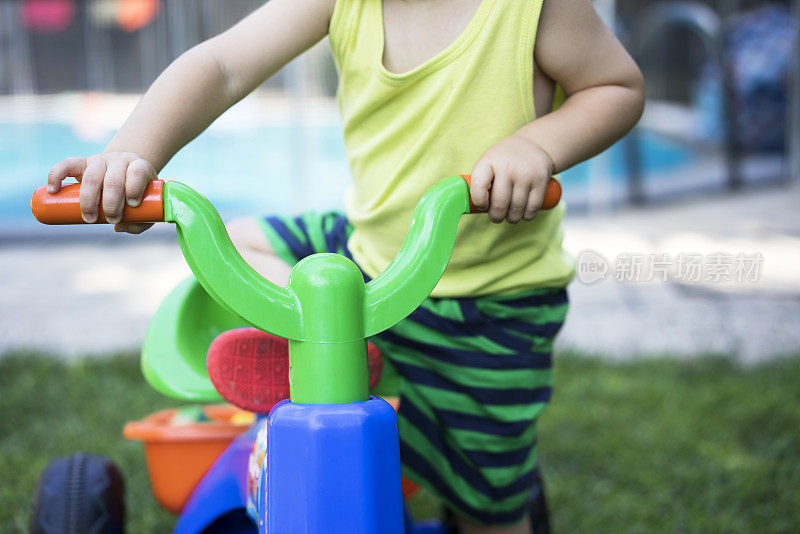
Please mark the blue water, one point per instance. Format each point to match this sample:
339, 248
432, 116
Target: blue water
253, 170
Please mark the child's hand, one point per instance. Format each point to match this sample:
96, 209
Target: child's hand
510, 179
120, 176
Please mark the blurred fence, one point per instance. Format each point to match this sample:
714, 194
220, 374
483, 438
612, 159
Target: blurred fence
50, 46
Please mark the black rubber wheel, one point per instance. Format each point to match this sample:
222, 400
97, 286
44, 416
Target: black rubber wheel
79, 494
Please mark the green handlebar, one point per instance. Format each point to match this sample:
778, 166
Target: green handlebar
326, 310
220, 268
422, 259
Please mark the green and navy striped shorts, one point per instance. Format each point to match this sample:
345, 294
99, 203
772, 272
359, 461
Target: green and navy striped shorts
473, 375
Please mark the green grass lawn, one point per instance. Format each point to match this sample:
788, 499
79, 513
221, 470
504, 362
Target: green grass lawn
648, 446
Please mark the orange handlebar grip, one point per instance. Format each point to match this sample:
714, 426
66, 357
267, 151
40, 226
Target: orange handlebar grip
64, 207
552, 195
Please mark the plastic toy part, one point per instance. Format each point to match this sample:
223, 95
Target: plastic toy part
178, 336
344, 478
552, 195
333, 462
421, 261
218, 503
179, 455
64, 207
326, 311
220, 269
79, 493
250, 368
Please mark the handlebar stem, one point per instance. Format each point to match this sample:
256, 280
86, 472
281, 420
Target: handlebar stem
326, 311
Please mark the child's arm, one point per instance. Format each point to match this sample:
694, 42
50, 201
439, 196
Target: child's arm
186, 98
605, 98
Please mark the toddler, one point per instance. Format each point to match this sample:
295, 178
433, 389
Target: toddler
511, 91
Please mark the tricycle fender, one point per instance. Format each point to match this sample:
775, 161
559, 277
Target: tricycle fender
223, 490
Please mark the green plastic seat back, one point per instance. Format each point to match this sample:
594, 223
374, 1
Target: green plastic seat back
177, 341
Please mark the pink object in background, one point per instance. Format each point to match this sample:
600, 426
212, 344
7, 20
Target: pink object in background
47, 16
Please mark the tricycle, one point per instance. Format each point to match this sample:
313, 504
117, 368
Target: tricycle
325, 460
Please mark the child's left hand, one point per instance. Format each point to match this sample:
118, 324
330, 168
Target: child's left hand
510, 179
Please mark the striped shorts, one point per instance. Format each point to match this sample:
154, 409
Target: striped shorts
472, 374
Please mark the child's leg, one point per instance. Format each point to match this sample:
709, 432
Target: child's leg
475, 374
249, 239
468, 527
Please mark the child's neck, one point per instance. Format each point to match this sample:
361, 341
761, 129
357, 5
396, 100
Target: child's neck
416, 31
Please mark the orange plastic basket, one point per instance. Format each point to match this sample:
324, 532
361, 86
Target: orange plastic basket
178, 456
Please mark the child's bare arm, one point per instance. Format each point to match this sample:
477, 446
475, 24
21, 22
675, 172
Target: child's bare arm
605, 98
187, 97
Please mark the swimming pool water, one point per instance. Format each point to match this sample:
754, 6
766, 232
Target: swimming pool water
257, 170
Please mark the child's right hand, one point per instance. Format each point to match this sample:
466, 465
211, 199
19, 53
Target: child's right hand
116, 177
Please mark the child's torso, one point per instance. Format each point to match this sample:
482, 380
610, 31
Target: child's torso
423, 99
415, 32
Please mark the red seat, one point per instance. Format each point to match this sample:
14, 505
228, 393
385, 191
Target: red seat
250, 368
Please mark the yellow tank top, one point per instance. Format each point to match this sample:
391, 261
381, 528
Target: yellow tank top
404, 132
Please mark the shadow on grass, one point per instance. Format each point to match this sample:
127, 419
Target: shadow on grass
646, 446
